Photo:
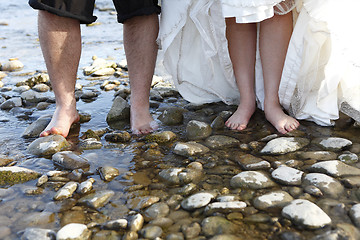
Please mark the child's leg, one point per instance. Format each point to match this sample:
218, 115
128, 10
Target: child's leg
242, 49
275, 35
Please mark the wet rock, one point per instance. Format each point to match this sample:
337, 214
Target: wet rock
196, 130
351, 182
22, 89
4, 161
252, 163
35, 128
335, 168
191, 231
36, 218
41, 87
284, 145
85, 186
332, 143
314, 191
42, 105
103, 72
66, 191
218, 123
189, 149
305, 213
157, 210
197, 200
172, 116
88, 95
220, 141
212, 226
192, 173
349, 158
224, 207
12, 65
38, 234
11, 103
97, 199
70, 160
116, 225
136, 222
328, 185
106, 235
108, 173
14, 175
226, 237
2, 74
141, 202
288, 235
316, 155
276, 199
120, 111
287, 175
73, 231
161, 137
175, 236
33, 96
118, 136
151, 232
252, 180
90, 143
97, 65
49, 145
42, 180
355, 214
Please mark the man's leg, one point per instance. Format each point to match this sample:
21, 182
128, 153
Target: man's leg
60, 41
140, 35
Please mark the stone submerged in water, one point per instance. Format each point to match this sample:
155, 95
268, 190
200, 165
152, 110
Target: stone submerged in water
161, 137
73, 231
38, 234
305, 213
97, 199
276, 199
284, 145
14, 175
70, 160
251, 180
196, 130
335, 168
332, 143
47, 146
172, 116
189, 149
220, 141
215, 225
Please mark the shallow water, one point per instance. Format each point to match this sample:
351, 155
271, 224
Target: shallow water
19, 39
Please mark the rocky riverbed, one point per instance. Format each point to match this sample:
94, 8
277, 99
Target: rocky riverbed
192, 179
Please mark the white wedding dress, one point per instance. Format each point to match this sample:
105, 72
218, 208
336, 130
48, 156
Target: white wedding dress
321, 74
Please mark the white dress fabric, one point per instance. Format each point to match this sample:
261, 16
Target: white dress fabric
321, 74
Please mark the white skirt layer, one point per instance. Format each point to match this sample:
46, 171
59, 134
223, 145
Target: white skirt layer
249, 11
322, 69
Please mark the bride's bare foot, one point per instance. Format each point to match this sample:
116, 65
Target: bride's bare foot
281, 121
240, 118
142, 122
61, 122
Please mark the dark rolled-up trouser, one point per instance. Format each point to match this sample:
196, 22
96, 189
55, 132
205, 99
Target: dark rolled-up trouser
82, 10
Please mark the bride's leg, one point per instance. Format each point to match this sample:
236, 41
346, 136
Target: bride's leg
275, 35
242, 48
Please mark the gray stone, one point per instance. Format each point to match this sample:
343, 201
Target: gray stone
38, 234
172, 116
197, 200
196, 130
120, 111
97, 199
328, 185
349, 158
224, 207
73, 231
220, 141
33, 96
138, 203
355, 214
287, 175
189, 149
116, 225
252, 163
335, 168
305, 213
47, 146
66, 191
157, 210
136, 222
151, 232
41, 87
192, 173
252, 180
35, 128
191, 231
108, 173
11, 103
70, 160
212, 226
226, 237
332, 143
276, 199
316, 155
85, 186
284, 145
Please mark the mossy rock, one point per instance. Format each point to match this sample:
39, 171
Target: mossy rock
14, 175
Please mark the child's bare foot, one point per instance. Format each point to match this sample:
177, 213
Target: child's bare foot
142, 122
240, 118
281, 121
61, 122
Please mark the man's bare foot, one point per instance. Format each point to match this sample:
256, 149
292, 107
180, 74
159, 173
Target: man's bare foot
142, 122
240, 118
61, 122
281, 121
